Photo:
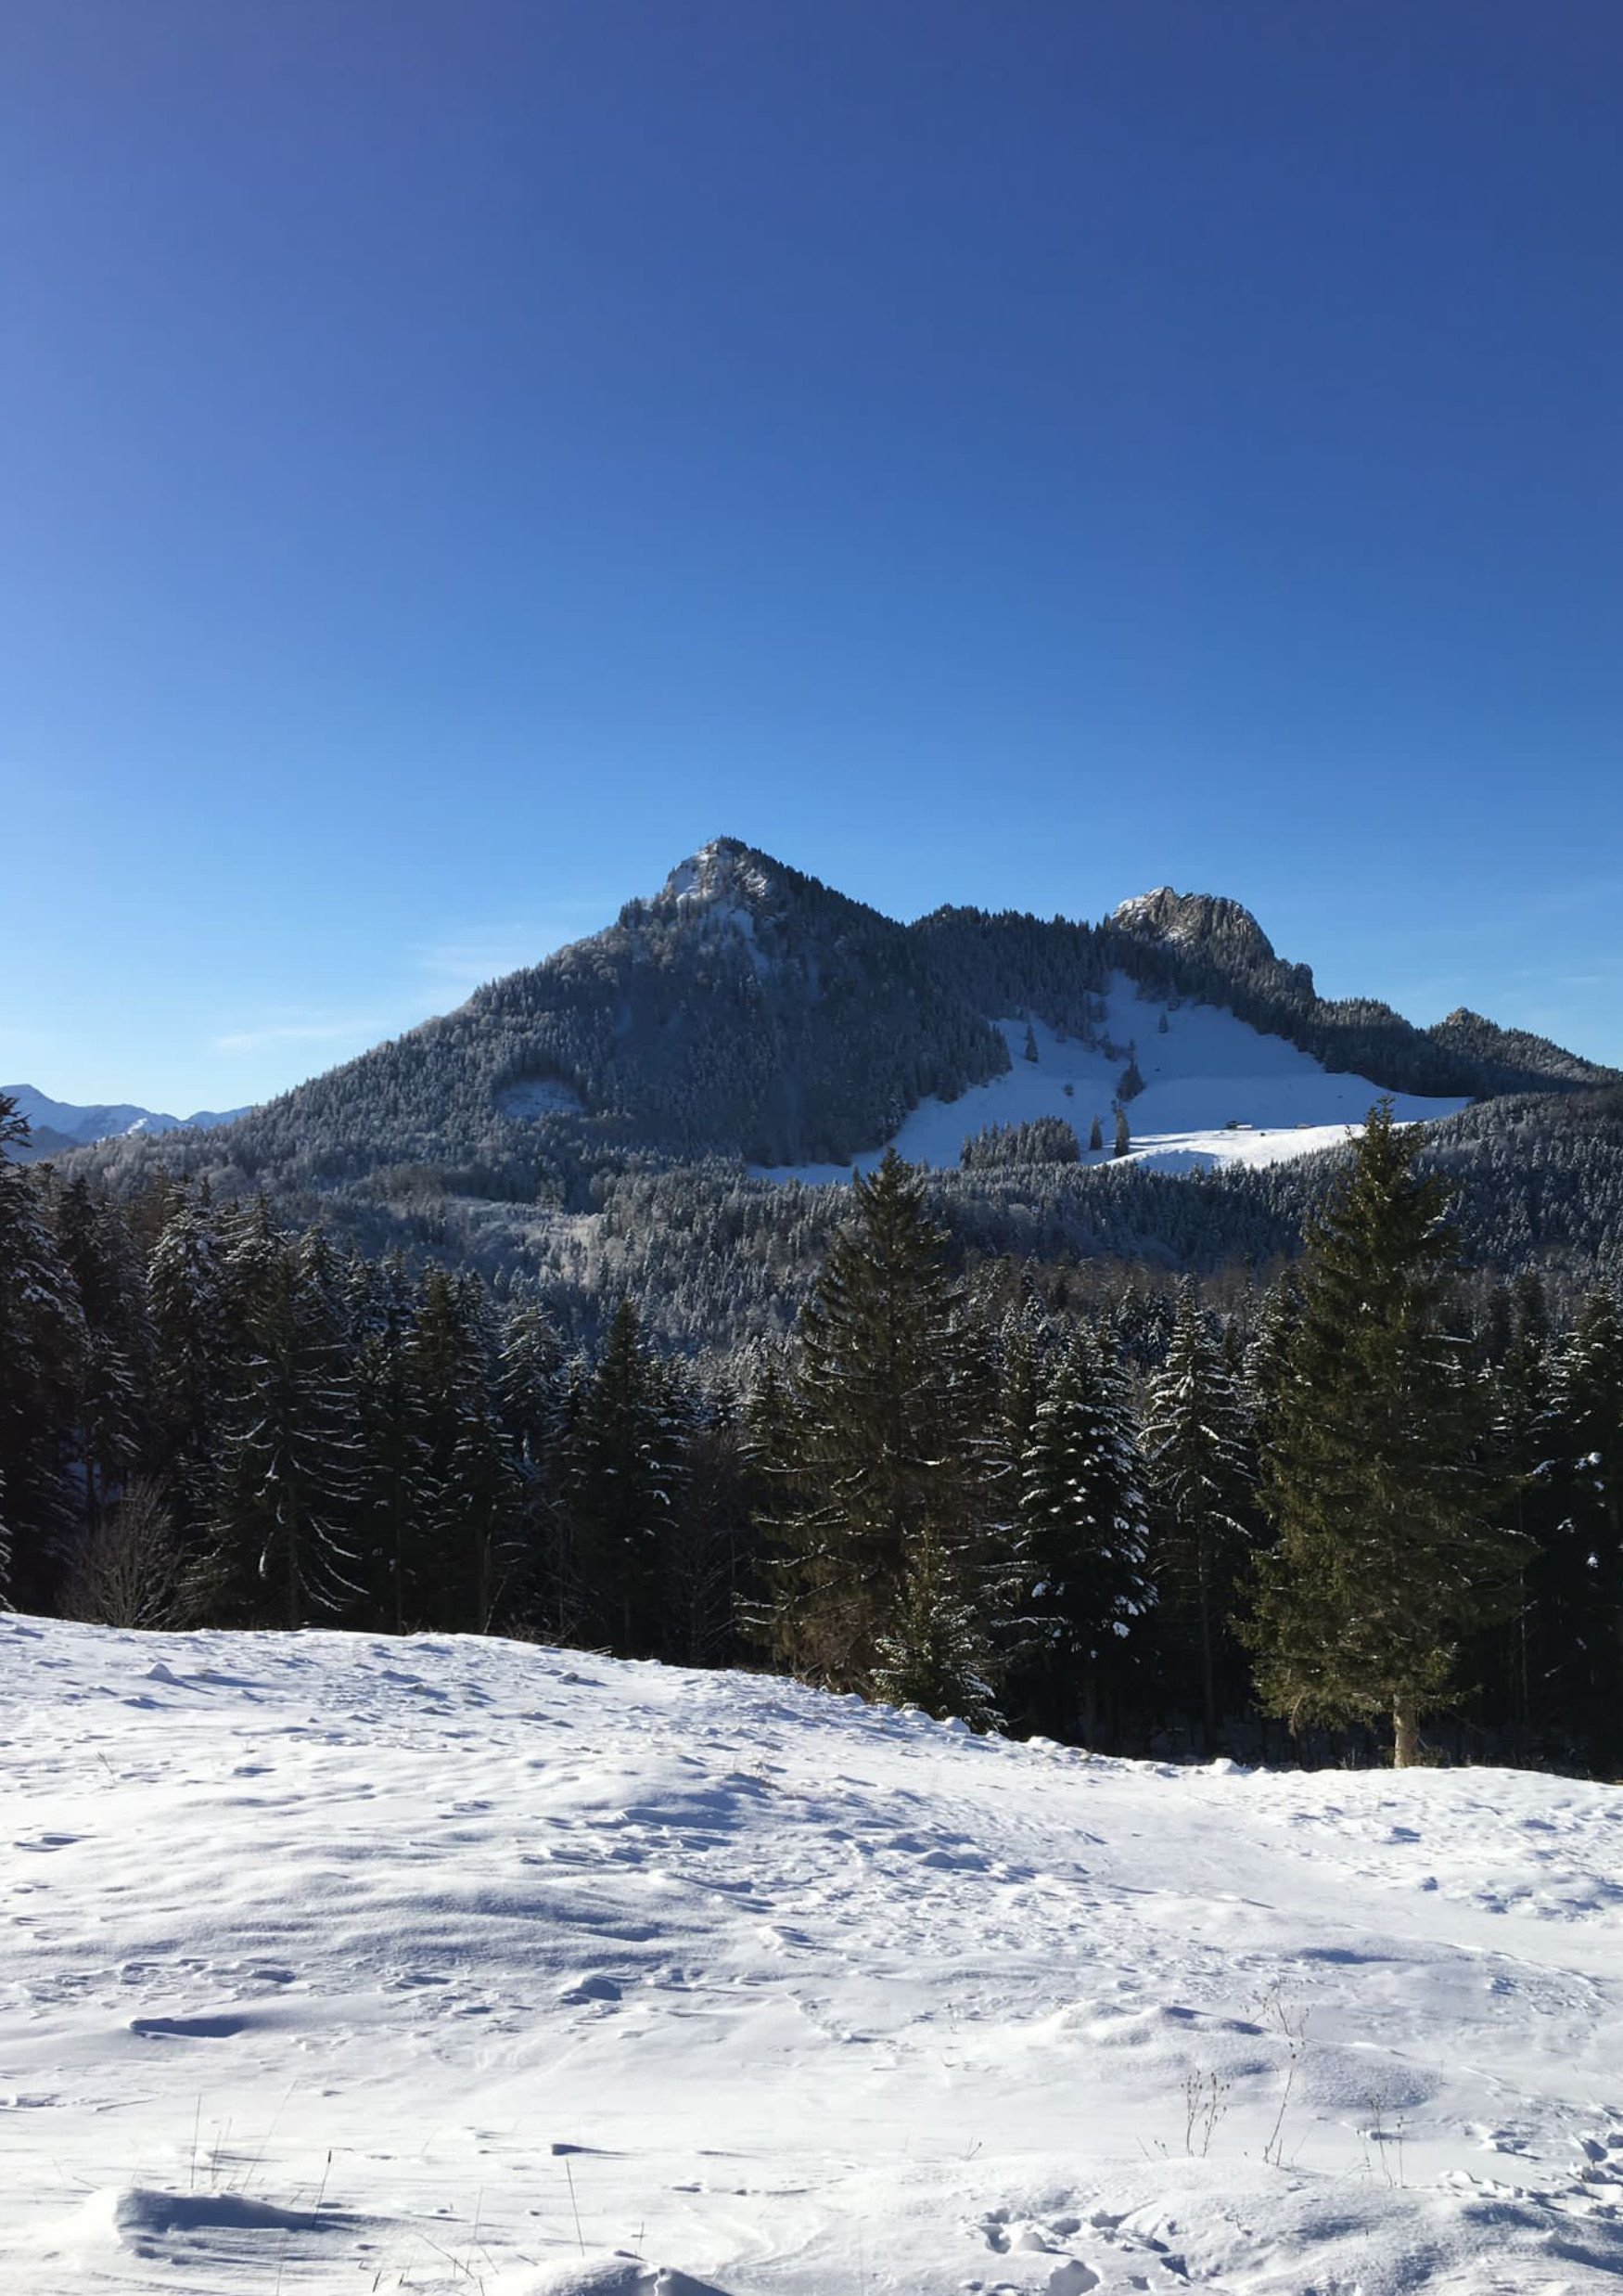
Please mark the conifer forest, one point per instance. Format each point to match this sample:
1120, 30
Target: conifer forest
1353, 1501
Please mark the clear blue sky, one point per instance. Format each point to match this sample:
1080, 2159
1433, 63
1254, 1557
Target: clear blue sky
459, 458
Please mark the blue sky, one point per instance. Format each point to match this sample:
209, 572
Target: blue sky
459, 458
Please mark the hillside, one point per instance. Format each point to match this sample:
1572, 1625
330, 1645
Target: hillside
748, 1012
632, 1113
461, 1957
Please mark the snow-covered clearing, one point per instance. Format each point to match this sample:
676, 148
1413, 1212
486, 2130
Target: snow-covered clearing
1216, 1091
331, 1963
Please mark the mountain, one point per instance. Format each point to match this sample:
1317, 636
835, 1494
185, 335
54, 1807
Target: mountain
744, 1010
58, 1127
1215, 950
624, 1116
748, 1011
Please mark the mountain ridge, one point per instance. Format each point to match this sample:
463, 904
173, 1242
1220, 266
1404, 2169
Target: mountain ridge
55, 1127
748, 1012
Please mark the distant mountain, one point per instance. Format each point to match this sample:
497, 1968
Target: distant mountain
748, 1012
1215, 950
625, 1118
58, 1127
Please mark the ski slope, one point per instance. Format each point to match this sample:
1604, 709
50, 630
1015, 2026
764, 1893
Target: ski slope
330, 1963
1216, 1091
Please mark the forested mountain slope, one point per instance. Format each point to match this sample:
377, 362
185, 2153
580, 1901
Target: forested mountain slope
593, 1121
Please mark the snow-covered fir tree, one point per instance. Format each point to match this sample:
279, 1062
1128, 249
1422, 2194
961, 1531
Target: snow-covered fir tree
277, 1551
937, 1655
42, 1343
1199, 1474
467, 1558
626, 1469
1084, 1542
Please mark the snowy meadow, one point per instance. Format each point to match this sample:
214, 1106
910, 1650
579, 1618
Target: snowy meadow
444, 1964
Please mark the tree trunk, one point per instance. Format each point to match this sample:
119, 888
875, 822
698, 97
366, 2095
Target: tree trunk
1405, 1734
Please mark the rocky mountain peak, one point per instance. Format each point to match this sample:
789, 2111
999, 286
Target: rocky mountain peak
1195, 921
723, 873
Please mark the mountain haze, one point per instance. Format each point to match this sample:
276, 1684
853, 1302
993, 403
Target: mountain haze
58, 1127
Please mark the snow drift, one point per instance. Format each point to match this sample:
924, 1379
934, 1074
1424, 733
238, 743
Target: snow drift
340, 1963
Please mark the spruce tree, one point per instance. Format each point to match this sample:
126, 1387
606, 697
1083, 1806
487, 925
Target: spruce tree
1267, 1371
627, 1468
937, 1655
278, 1552
881, 1442
1385, 1560
709, 1548
42, 1342
1199, 1476
529, 1399
1575, 1582
1513, 1653
1083, 1544
392, 1491
468, 1553
186, 1292
114, 1364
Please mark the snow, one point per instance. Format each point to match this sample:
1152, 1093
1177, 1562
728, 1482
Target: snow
718, 875
1208, 1072
332, 1962
721, 884
107, 1122
539, 1096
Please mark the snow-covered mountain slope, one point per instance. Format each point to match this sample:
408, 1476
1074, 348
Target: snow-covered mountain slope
60, 1123
1216, 1091
331, 1963
747, 1012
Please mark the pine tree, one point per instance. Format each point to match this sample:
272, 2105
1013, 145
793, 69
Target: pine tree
1124, 1136
114, 1364
470, 1557
392, 1491
1083, 1545
1575, 1583
1518, 1397
528, 1401
936, 1655
626, 1464
278, 1553
1384, 1560
881, 1442
1026, 1346
1268, 1359
529, 1362
1196, 1452
186, 1292
710, 1545
42, 1341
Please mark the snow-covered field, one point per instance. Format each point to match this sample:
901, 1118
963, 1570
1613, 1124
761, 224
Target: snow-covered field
1216, 1091
336, 1964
